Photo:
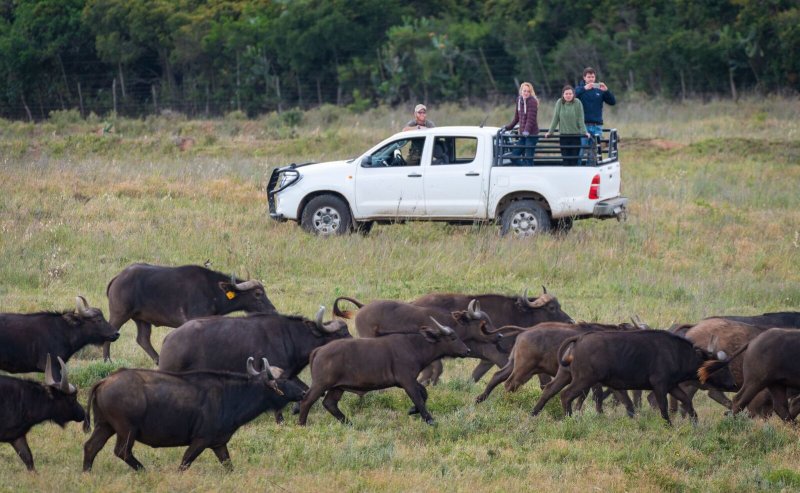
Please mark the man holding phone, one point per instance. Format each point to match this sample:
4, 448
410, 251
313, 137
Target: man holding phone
592, 95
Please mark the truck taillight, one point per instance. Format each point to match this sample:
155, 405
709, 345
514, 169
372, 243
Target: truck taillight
594, 189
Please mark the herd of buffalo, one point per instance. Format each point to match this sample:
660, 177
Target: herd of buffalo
216, 373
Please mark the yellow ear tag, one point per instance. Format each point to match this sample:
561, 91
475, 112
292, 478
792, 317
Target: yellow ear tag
231, 295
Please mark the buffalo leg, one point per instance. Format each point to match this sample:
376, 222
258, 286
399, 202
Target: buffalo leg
331, 403
660, 393
481, 369
500, 376
544, 379
224, 456
720, 397
431, 373
102, 432
192, 452
314, 393
414, 409
625, 400
573, 390
686, 400
116, 321
637, 399
24, 452
745, 395
124, 450
418, 395
780, 403
562, 379
143, 330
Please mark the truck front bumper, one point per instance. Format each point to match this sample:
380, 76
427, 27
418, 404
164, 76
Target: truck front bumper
616, 207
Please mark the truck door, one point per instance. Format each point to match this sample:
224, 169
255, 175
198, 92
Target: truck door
454, 178
389, 182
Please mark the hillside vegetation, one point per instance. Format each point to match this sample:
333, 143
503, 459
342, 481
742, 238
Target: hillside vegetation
714, 228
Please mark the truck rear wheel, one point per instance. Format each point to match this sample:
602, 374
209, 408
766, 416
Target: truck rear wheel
326, 215
524, 218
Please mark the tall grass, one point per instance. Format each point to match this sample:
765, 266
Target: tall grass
714, 228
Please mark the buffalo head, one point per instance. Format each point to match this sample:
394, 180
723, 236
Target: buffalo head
64, 395
446, 337
248, 296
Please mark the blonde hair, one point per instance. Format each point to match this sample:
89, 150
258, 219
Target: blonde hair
529, 86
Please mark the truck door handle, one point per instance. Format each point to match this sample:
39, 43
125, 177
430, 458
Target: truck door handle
473, 173
415, 175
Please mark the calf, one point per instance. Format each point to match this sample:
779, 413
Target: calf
163, 409
362, 365
640, 360
25, 404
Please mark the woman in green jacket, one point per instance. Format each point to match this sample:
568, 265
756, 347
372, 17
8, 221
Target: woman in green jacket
568, 119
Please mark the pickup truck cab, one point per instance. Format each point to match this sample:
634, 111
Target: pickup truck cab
454, 174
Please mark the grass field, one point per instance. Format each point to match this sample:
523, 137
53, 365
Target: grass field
714, 228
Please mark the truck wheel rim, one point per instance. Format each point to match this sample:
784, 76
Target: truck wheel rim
326, 220
524, 224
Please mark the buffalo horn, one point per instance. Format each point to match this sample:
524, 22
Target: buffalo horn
81, 306
250, 370
318, 317
637, 322
65, 386
540, 301
48, 373
712, 344
443, 328
267, 368
544, 289
233, 279
244, 286
474, 309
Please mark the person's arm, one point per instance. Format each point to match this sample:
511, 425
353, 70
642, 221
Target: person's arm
515, 120
554, 122
530, 122
608, 97
580, 89
581, 123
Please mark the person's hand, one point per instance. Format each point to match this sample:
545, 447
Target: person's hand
525, 134
547, 135
588, 135
588, 86
603, 86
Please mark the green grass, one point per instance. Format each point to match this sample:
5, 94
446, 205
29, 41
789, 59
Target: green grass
714, 228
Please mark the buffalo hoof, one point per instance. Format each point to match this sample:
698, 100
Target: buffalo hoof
430, 422
480, 399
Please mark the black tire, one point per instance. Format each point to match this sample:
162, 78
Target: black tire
326, 215
562, 225
524, 218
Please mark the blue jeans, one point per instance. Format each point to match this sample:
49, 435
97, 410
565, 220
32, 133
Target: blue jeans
596, 132
531, 141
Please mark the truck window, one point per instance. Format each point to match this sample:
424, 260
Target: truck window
403, 152
454, 150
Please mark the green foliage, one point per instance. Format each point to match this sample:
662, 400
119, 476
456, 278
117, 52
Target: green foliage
214, 58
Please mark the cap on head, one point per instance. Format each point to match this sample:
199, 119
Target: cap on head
419, 108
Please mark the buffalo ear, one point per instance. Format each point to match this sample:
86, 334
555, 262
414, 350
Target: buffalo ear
430, 335
225, 286
460, 316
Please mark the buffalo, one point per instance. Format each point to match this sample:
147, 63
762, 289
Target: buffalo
769, 363
521, 311
26, 339
171, 296
534, 352
387, 316
651, 359
165, 409
392, 360
222, 343
26, 404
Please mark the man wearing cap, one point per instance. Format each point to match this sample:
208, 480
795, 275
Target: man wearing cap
420, 120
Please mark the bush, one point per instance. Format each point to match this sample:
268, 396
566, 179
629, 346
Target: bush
292, 117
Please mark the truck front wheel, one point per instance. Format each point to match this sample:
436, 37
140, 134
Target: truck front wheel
524, 218
326, 215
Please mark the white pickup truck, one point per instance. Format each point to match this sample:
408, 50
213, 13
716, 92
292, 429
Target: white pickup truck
457, 175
